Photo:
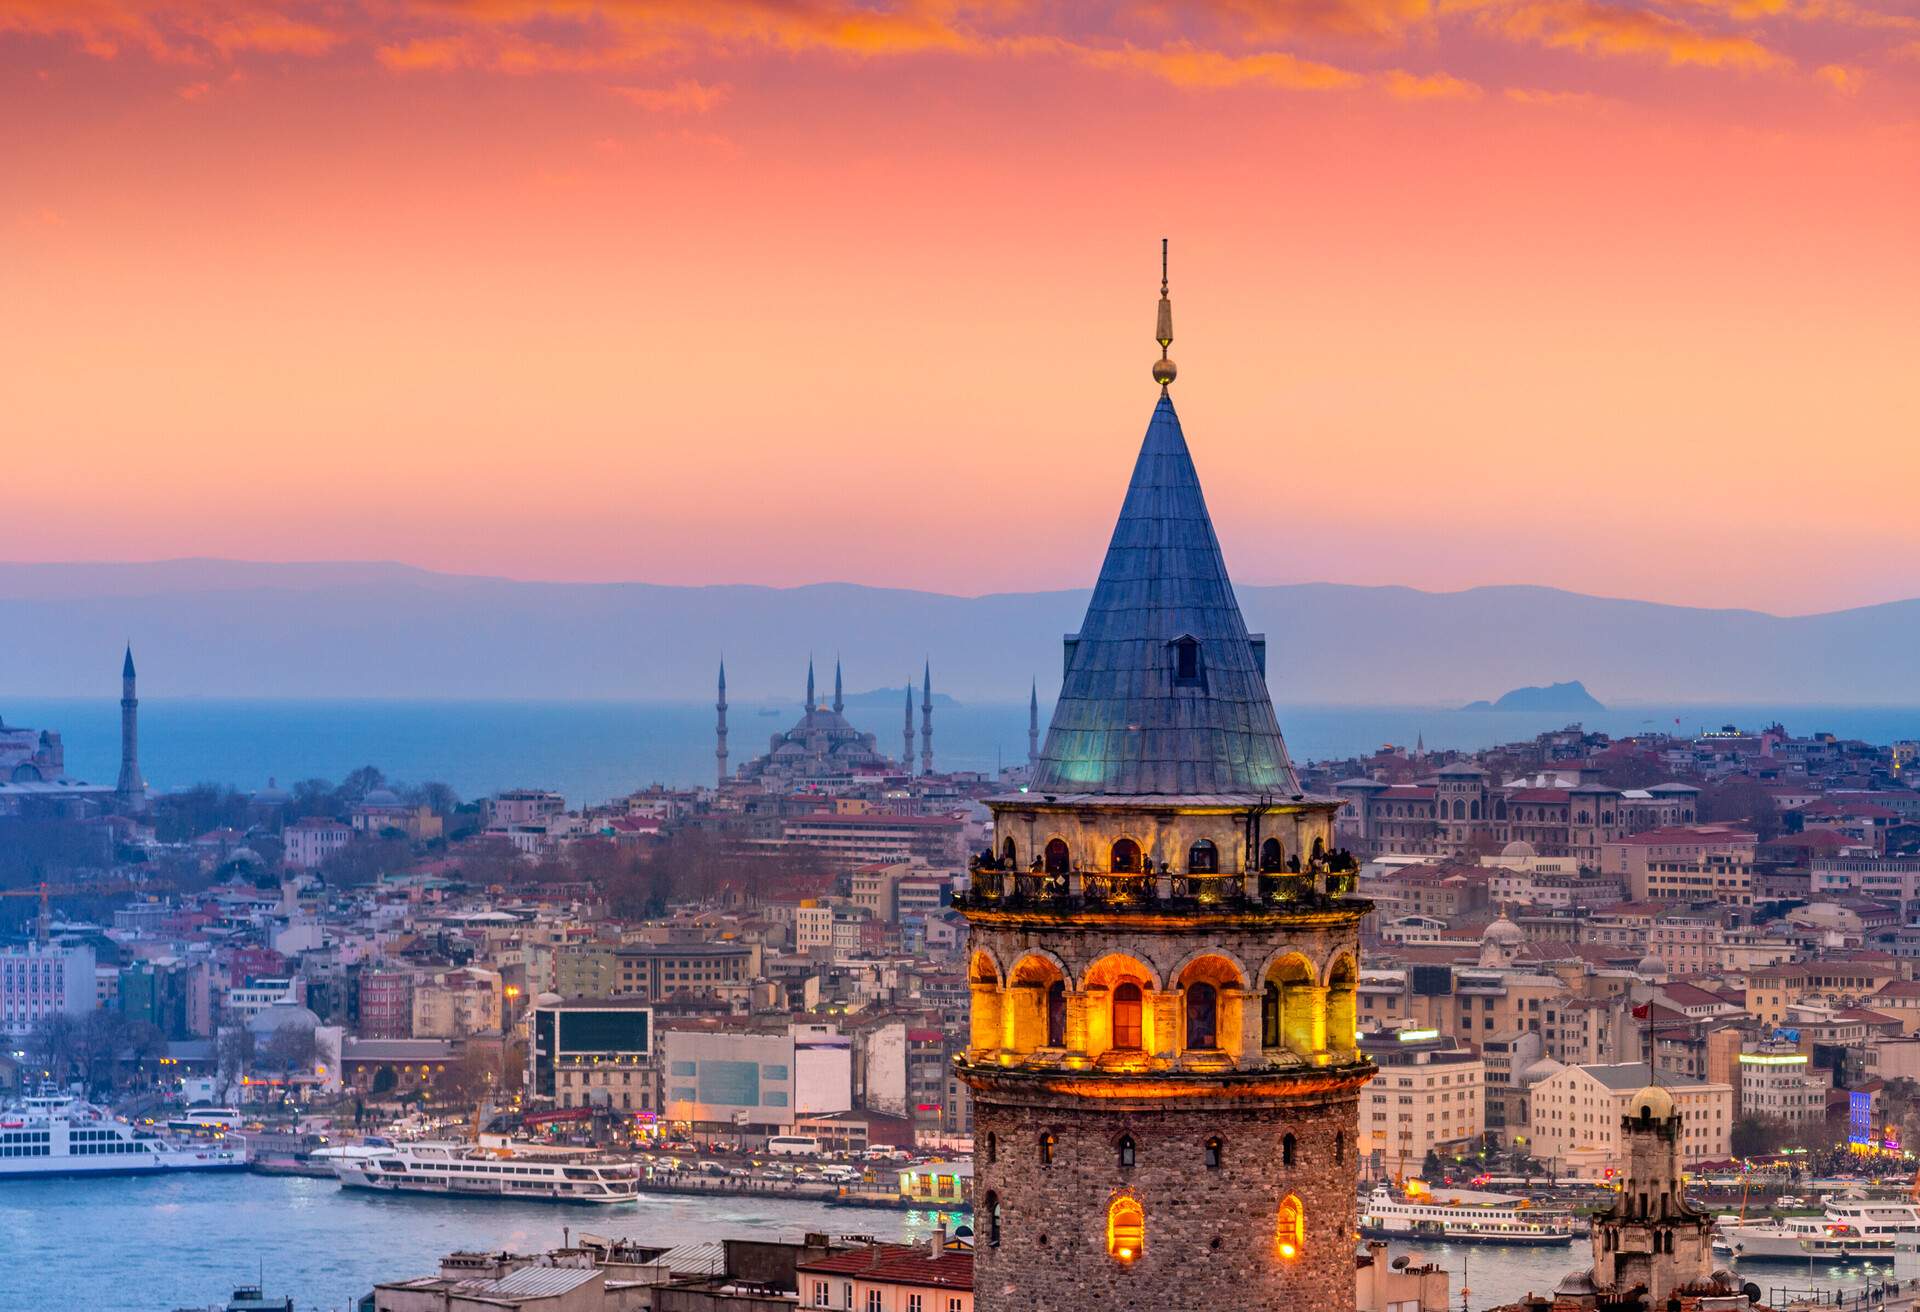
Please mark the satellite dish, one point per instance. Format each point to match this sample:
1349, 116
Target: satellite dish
1400, 1262
1752, 1291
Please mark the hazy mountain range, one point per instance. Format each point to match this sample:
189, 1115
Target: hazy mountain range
227, 628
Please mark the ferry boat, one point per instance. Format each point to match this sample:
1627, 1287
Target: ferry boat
1798, 1239
493, 1168
1462, 1216
1875, 1217
53, 1134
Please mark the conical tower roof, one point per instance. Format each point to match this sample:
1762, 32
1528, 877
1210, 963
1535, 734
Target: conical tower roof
1133, 719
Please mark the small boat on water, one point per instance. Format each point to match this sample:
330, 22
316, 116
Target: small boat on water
1798, 1239
50, 1135
494, 1167
1463, 1216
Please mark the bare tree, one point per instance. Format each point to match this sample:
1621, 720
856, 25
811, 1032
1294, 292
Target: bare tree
233, 1059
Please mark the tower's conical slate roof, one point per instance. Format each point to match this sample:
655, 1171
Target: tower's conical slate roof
1128, 723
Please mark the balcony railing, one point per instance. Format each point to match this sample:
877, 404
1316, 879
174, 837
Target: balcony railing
994, 885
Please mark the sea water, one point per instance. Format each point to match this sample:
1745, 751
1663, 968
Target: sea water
593, 751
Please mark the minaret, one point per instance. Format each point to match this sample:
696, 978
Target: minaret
926, 719
906, 755
720, 729
1033, 724
1163, 1052
132, 789
809, 685
839, 702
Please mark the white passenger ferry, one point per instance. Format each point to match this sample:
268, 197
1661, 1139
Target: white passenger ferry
57, 1135
493, 1168
1798, 1239
1877, 1218
1463, 1216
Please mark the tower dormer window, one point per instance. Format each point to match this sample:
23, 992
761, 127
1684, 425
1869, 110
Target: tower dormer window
1187, 669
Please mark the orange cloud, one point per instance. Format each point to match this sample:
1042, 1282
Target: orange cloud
1403, 85
1536, 96
1186, 65
683, 97
1595, 28
1844, 80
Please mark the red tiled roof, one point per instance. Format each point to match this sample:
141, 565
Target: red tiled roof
899, 1264
1537, 795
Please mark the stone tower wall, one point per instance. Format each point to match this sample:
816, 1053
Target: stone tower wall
1211, 1235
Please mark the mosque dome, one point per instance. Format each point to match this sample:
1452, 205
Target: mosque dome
547, 1000
1652, 1101
273, 794
1518, 847
1505, 932
271, 1020
382, 797
1650, 966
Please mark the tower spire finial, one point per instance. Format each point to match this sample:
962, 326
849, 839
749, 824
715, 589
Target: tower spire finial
1163, 369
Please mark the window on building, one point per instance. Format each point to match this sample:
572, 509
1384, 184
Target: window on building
1289, 1149
876, 1301
1126, 1230
1186, 662
1339, 1147
1126, 1151
1126, 1016
1047, 1141
1203, 1010
1057, 1014
993, 1221
993, 1148
1203, 858
821, 1298
1057, 857
1006, 851
1213, 1153
1125, 859
1270, 1034
1290, 1229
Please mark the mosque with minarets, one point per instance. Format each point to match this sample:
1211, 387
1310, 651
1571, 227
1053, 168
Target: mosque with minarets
823, 749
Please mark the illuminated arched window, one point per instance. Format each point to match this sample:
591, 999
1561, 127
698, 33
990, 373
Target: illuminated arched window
1214, 1154
1270, 1035
1272, 859
1126, 857
1126, 1016
1047, 1141
1127, 1151
1203, 1012
1056, 1015
1126, 1230
1203, 858
1057, 856
1289, 1150
1290, 1230
1006, 851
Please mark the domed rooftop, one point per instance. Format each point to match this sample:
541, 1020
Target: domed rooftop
1503, 930
1652, 1101
382, 797
1519, 847
1650, 966
271, 1020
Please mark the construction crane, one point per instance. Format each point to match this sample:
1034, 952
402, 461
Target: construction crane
43, 924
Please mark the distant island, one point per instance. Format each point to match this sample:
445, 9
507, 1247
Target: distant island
1554, 697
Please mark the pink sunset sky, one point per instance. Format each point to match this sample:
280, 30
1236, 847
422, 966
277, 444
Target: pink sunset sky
1616, 295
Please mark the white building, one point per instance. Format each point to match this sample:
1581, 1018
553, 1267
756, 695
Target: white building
754, 1083
1430, 1096
1575, 1114
38, 981
1778, 1081
308, 843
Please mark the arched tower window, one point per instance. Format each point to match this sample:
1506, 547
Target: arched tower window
1270, 1035
1127, 1152
1056, 1015
993, 1147
1203, 1011
1047, 1141
1006, 852
1057, 857
1290, 1229
1126, 1229
1272, 858
993, 1219
1459, 809
1214, 1152
1473, 810
1289, 1150
1126, 1016
1126, 857
1203, 858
